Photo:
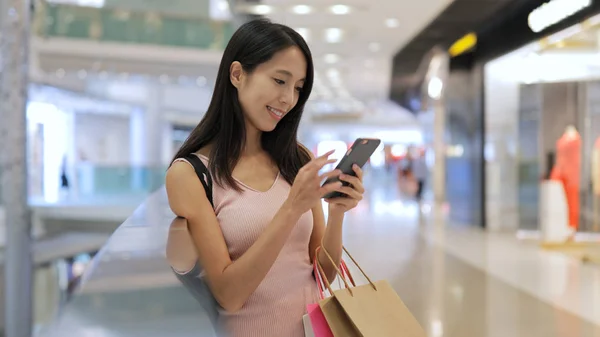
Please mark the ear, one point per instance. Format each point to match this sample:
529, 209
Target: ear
236, 73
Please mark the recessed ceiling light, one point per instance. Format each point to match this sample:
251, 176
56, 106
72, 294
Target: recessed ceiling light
304, 32
392, 23
302, 9
339, 9
262, 9
201, 81
374, 47
333, 35
332, 58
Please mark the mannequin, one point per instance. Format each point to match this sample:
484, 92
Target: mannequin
567, 171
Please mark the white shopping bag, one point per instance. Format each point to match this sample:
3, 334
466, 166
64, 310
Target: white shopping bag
308, 330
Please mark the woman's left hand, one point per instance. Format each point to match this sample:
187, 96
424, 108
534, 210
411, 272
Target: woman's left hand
354, 192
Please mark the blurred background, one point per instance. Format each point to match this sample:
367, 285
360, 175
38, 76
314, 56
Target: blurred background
477, 101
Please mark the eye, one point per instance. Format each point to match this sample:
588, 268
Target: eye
299, 89
278, 81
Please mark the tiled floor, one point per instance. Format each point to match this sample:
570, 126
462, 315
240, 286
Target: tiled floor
458, 282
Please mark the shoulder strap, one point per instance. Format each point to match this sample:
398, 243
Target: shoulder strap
203, 174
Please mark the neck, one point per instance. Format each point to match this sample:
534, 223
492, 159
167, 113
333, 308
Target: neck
253, 144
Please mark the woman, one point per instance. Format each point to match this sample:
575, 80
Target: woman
258, 242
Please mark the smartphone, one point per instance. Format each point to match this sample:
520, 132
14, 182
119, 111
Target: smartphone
359, 153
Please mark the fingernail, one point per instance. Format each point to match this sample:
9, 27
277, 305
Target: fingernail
355, 166
342, 176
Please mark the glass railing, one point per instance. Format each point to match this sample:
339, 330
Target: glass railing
129, 288
113, 25
95, 180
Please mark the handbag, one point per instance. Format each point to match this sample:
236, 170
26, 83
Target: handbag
371, 310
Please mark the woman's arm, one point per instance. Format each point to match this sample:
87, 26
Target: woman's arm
330, 237
231, 283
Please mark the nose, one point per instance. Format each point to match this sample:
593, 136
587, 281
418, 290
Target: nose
287, 96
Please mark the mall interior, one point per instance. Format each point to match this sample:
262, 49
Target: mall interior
492, 107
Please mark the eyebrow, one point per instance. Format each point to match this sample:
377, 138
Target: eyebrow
287, 73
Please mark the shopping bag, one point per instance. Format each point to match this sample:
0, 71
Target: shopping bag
319, 325
308, 329
372, 310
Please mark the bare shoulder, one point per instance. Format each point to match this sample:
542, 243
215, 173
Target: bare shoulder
184, 189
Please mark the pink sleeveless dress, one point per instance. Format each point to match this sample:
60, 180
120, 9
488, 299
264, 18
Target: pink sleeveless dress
276, 308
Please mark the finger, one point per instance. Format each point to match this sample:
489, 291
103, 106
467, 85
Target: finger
323, 158
326, 154
346, 202
330, 174
358, 171
314, 166
354, 181
326, 189
349, 191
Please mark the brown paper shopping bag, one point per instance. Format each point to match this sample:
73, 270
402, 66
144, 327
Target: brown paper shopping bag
372, 310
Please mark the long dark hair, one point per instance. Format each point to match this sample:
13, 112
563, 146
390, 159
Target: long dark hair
223, 124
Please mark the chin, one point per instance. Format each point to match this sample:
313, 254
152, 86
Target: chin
268, 128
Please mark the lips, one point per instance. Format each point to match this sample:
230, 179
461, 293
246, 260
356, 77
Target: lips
276, 113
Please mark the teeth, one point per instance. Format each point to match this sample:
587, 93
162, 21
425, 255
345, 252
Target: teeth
277, 112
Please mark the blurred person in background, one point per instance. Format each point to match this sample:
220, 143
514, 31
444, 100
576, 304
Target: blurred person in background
256, 245
420, 172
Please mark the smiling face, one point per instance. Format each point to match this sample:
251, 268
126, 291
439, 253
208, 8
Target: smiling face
272, 89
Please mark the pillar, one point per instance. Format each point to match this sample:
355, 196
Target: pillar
15, 20
435, 87
146, 132
439, 148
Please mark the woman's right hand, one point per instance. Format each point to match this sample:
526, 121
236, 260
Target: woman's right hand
307, 191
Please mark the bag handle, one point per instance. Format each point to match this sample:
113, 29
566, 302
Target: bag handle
340, 273
320, 276
356, 264
203, 174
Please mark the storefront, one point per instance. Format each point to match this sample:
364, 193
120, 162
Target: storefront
542, 117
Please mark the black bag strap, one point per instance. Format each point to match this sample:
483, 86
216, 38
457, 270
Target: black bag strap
203, 174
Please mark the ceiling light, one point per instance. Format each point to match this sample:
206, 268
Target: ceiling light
392, 23
333, 74
339, 9
201, 81
332, 58
304, 32
374, 47
262, 9
435, 87
302, 9
82, 74
333, 35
